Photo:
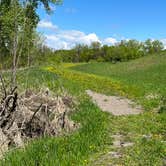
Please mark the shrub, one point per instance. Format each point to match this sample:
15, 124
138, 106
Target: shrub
100, 59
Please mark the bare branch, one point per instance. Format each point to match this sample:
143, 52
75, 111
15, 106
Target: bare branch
38, 109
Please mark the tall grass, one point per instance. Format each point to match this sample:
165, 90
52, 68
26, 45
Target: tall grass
147, 131
147, 75
70, 149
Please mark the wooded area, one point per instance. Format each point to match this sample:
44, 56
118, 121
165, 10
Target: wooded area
19, 39
22, 45
123, 51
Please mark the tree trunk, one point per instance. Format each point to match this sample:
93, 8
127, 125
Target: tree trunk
14, 68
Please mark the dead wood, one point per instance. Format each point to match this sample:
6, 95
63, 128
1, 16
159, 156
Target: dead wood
32, 115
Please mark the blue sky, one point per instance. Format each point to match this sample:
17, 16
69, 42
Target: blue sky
106, 21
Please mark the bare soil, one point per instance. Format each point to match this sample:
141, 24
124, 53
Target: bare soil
114, 104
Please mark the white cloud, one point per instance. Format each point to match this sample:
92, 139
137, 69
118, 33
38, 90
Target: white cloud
110, 41
164, 42
70, 35
47, 24
51, 37
88, 39
67, 39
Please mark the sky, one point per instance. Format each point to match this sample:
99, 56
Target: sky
105, 21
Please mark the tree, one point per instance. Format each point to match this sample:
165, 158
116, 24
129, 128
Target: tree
12, 21
157, 46
95, 46
18, 21
104, 51
148, 46
78, 50
153, 46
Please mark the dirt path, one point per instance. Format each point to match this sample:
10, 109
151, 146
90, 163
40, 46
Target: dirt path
113, 154
115, 105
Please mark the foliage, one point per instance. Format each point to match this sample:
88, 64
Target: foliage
153, 46
18, 37
146, 131
146, 74
122, 51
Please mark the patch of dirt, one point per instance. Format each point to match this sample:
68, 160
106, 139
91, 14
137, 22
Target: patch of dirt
33, 115
113, 154
115, 105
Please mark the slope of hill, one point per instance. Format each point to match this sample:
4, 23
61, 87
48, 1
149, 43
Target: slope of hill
147, 73
102, 139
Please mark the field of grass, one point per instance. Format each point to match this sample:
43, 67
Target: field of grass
147, 75
148, 133
96, 127
72, 149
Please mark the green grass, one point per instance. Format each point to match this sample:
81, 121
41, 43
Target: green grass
69, 150
147, 132
72, 149
146, 151
134, 79
147, 75
97, 83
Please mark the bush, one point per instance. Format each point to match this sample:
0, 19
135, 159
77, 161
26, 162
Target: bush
100, 59
92, 61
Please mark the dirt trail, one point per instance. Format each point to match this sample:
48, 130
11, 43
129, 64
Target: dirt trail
115, 105
114, 153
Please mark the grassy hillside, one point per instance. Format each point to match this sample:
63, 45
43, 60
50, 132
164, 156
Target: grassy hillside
147, 74
93, 139
73, 149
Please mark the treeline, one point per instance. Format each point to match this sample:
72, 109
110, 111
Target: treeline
22, 45
122, 51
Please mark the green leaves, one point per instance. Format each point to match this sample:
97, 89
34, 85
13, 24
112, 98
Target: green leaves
18, 22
